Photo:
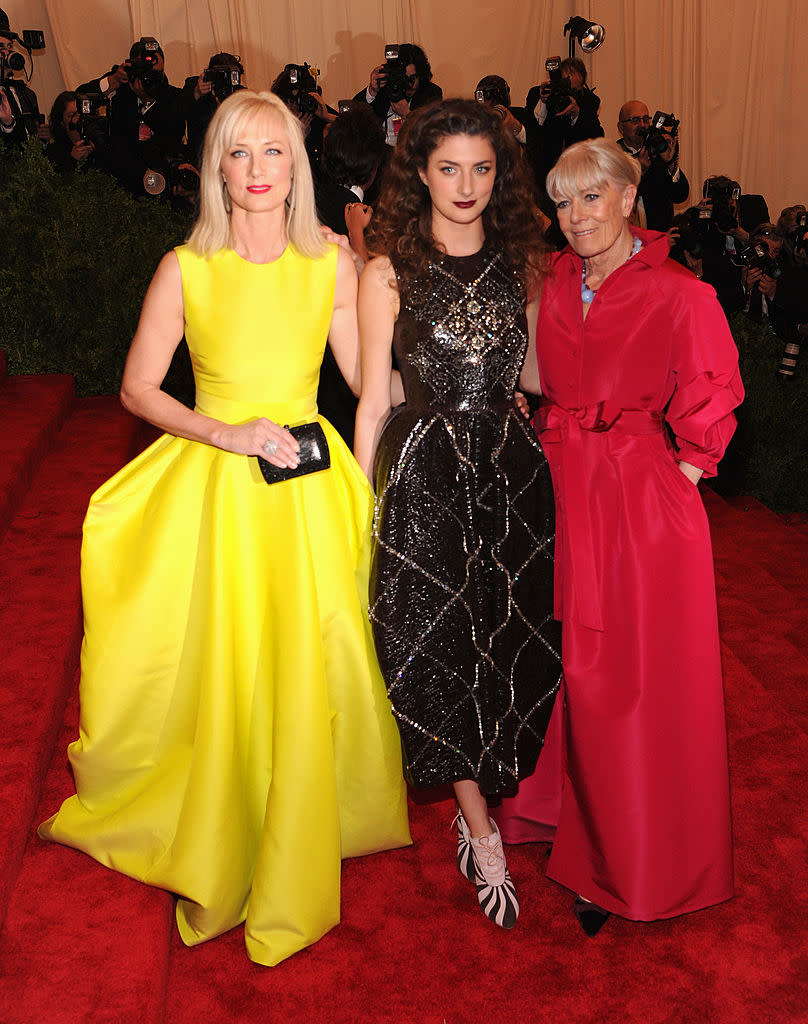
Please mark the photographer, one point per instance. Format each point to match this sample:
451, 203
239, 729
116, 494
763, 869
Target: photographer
559, 112
297, 86
788, 311
663, 183
147, 115
791, 218
67, 149
495, 91
761, 270
221, 78
697, 244
403, 83
19, 110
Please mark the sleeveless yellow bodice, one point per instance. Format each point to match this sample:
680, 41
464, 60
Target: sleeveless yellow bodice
283, 308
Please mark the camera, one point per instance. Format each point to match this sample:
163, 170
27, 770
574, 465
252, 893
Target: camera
177, 173
724, 196
558, 94
788, 361
92, 119
758, 255
294, 85
225, 78
692, 234
493, 89
9, 63
12, 62
657, 136
799, 236
142, 66
396, 82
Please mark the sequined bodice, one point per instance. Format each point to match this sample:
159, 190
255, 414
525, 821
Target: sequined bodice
461, 335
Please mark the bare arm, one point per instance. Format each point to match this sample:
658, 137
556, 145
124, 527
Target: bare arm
343, 335
351, 370
529, 377
159, 331
378, 309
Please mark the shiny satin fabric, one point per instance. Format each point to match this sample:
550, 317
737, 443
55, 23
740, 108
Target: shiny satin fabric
236, 739
643, 815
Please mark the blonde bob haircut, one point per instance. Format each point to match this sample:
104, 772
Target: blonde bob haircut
211, 232
593, 163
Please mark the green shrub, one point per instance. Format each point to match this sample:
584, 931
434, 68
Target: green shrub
76, 260
768, 456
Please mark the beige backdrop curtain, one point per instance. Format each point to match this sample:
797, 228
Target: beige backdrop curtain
733, 71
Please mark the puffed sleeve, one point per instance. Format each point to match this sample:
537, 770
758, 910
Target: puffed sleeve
708, 383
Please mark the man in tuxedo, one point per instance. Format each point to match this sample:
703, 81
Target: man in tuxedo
147, 115
420, 90
663, 183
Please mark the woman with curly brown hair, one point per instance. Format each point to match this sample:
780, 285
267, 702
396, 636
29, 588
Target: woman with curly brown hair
461, 579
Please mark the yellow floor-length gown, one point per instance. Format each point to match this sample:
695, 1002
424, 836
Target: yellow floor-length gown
236, 739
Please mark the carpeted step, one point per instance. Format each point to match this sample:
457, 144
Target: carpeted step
86, 944
40, 609
32, 409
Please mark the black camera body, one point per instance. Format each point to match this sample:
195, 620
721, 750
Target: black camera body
92, 118
224, 78
657, 136
799, 236
294, 86
758, 255
396, 82
9, 64
557, 96
174, 174
142, 66
692, 234
724, 200
495, 94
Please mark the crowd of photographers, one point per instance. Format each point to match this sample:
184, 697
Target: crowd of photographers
133, 124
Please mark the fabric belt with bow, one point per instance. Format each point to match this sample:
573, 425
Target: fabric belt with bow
557, 425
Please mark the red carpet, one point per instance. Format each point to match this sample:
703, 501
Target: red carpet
83, 944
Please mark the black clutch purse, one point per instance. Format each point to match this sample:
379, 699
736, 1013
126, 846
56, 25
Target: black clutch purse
314, 455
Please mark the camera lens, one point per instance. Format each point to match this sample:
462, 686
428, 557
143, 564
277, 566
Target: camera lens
788, 362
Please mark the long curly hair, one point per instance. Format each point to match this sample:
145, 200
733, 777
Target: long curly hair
402, 222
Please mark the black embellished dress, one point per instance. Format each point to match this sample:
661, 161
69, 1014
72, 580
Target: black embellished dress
461, 586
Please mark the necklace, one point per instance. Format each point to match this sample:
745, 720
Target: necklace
587, 293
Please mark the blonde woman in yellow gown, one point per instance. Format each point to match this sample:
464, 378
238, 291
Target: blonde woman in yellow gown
236, 740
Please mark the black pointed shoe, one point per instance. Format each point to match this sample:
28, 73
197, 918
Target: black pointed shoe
590, 916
